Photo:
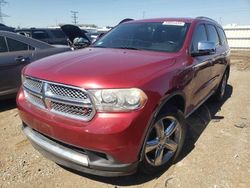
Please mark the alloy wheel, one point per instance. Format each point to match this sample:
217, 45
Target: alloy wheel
163, 140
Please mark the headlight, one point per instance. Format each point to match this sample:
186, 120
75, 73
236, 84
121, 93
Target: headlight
116, 100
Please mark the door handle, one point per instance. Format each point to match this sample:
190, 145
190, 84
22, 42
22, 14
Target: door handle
21, 59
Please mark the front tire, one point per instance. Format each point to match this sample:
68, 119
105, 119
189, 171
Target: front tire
164, 141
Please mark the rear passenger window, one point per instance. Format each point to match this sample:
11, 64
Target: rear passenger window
212, 35
15, 45
3, 46
40, 35
199, 36
222, 35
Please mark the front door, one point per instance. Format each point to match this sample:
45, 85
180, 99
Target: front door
14, 55
202, 83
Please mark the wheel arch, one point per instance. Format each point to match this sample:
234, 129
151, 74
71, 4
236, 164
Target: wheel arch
177, 99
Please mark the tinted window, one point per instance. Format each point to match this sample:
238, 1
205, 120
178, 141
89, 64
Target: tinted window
222, 35
31, 48
40, 35
58, 33
3, 47
212, 34
16, 45
153, 36
198, 36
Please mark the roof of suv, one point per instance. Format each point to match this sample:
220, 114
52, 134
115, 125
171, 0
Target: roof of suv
186, 20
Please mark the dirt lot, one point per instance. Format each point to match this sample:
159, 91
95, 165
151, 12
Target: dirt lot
216, 154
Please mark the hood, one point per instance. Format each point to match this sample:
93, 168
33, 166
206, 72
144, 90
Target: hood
72, 32
101, 68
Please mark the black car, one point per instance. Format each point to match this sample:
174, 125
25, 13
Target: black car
77, 38
50, 36
6, 28
16, 51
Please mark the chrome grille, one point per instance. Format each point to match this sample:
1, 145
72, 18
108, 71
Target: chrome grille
33, 84
74, 111
34, 99
62, 91
61, 99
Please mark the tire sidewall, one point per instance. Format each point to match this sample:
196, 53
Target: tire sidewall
147, 168
218, 95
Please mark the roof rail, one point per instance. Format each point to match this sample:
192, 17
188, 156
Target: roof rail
206, 18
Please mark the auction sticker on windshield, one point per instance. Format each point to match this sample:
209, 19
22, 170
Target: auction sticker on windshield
175, 23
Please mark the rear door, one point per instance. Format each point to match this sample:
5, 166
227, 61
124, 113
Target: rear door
13, 57
223, 55
217, 58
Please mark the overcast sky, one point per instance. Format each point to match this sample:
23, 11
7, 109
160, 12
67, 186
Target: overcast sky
43, 13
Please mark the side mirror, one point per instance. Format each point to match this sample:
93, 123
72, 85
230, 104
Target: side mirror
205, 48
81, 42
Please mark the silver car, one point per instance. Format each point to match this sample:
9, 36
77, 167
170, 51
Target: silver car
16, 51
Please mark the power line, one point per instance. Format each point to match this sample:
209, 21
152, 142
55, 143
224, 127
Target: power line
2, 3
74, 17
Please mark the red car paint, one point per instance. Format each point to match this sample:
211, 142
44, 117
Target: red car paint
121, 135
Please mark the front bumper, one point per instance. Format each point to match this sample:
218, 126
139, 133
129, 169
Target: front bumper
74, 159
111, 142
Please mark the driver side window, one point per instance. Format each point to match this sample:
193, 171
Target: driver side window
200, 35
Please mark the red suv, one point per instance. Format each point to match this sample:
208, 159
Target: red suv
120, 104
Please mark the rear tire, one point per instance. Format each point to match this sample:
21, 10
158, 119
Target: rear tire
221, 90
163, 141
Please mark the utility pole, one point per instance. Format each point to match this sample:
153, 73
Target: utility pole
74, 17
2, 3
220, 21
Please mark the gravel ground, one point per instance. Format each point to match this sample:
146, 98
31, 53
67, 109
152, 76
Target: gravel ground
216, 153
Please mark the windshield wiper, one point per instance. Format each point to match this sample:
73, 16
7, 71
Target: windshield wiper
128, 48
98, 46
122, 47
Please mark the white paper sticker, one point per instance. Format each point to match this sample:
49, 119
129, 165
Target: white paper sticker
175, 23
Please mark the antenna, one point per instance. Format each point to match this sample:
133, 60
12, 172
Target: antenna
2, 3
74, 17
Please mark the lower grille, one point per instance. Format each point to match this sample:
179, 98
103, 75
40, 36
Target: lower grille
70, 110
61, 99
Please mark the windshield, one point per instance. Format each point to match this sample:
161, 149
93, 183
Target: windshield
153, 36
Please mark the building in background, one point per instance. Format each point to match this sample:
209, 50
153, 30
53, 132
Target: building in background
238, 36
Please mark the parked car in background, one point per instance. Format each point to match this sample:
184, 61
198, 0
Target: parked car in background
120, 104
77, 37
16, 51
6, 28
50, 36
